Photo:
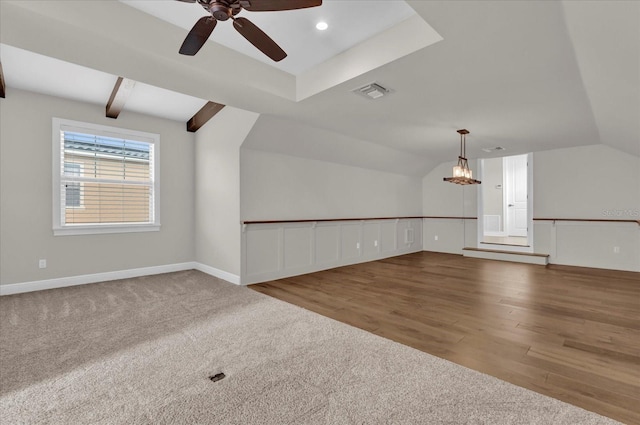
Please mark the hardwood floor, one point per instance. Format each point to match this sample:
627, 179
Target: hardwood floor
570, 333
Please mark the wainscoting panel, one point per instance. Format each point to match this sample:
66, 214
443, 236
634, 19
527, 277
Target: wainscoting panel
370, 239
449, 235
263, 249
351, 237
599, 245
297, 247
276, 250
327, 244
388, 241
409, 235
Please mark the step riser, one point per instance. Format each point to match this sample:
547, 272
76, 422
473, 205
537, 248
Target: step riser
543, 261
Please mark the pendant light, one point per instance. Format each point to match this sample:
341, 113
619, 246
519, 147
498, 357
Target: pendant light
461, 172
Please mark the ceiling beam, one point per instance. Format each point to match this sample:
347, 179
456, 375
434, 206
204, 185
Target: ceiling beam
2, 88
203, 115
121, 92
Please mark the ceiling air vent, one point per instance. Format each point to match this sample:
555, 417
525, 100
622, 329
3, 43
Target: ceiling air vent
497, 148
372, 91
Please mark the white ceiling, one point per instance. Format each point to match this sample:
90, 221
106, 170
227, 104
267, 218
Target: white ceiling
42, 74
525, 75
350, 22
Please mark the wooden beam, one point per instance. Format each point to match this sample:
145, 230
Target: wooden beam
2, 88
121, 92
203, 115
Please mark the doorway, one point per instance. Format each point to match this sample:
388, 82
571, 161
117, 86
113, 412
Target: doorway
505, 203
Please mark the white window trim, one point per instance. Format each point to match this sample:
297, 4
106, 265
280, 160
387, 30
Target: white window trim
61, 124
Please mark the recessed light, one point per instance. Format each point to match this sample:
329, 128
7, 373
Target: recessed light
322, 26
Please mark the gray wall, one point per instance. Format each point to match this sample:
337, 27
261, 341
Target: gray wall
210, 183
217, 187
26, 196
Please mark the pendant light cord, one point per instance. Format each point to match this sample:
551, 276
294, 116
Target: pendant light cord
463, 145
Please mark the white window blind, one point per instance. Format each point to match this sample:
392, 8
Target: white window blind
106, 180
73, 190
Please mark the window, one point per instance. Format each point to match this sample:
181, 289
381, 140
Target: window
73, 190
105, 179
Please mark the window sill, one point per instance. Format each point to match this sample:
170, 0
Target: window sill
98, 230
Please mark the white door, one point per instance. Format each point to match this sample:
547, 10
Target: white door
516, 191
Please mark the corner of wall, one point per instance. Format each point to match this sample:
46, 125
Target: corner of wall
217, 189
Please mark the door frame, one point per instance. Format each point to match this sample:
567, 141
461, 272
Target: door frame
480, 220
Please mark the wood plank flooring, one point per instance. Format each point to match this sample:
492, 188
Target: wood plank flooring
570, 333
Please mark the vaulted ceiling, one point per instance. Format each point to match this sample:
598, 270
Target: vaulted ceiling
524, 75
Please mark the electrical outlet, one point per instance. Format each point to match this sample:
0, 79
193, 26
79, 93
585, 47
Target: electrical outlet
357, 245
42, 264
435, 238
616, 250
375, 243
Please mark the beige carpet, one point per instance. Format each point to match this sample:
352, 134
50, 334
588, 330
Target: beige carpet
140, 351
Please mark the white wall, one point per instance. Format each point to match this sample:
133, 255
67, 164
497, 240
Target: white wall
444, 199
217, 189
282, 187
492, 194
590, 182
586, 182
26, 196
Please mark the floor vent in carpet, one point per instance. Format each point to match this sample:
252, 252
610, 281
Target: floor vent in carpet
217, 377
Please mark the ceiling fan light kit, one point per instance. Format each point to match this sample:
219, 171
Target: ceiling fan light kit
223, 10
462, 174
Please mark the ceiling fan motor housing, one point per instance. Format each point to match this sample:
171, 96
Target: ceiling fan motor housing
221, 10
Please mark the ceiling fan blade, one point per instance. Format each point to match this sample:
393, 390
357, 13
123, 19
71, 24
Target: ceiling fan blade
198, 35
258, 38
273, 5
187, 1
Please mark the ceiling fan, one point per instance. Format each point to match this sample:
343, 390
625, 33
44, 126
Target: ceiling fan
223, 10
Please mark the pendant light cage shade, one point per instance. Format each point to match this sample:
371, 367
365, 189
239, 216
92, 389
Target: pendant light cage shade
462, 174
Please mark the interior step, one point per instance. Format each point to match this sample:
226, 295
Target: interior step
518, 257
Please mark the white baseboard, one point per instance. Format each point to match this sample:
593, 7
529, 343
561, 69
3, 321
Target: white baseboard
312, 268
221, 274
40, 285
